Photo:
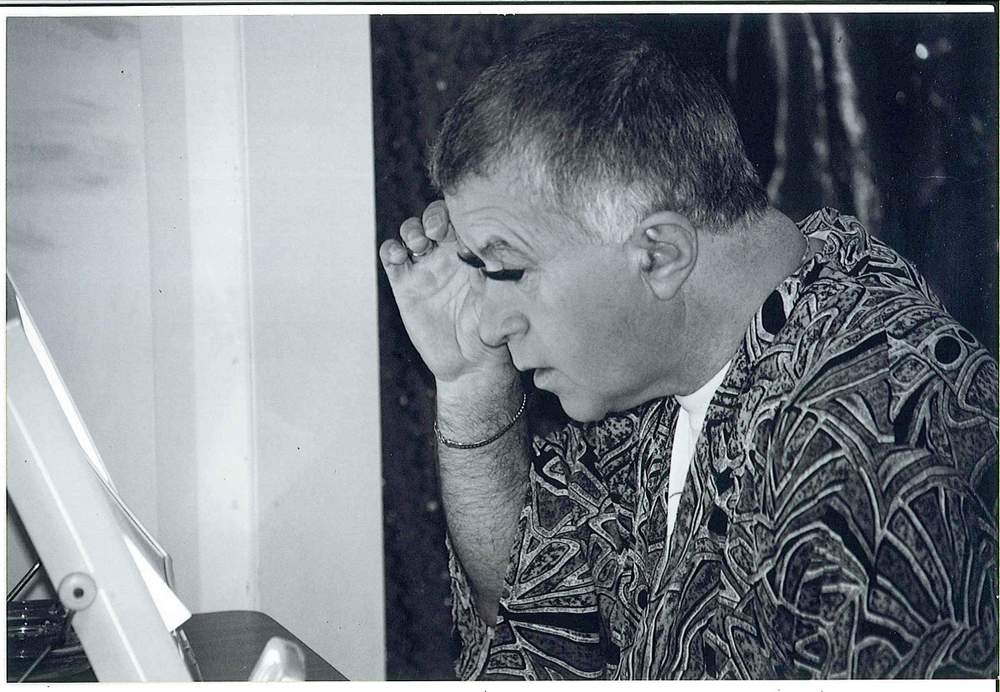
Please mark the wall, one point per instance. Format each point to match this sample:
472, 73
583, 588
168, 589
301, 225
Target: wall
77, 240
77, 236
311, 211
190, 220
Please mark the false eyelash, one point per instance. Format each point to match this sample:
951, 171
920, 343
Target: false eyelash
504, 274
500, 275
472, 261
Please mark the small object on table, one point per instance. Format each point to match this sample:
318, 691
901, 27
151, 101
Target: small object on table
280, 661
228, 643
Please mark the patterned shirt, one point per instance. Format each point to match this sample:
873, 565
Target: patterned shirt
839, 518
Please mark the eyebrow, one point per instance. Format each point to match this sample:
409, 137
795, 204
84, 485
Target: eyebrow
495, 246
490, 250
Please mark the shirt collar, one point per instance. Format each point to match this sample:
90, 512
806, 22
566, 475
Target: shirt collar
696, 403
826, 226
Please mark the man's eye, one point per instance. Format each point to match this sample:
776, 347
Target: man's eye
499, 275
504, 274
471, 260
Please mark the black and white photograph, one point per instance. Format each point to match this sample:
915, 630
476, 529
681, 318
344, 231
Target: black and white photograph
458, 343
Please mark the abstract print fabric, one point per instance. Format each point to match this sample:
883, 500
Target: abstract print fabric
839, 518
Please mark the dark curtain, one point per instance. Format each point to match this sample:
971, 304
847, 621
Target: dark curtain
892, 118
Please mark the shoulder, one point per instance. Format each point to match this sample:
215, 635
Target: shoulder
861, 291
858, 294
852, 253
868, 367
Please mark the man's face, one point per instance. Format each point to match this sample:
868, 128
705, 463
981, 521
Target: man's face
572, 308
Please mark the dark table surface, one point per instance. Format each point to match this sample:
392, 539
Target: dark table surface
228, 643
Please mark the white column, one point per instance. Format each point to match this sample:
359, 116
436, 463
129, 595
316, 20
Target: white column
260, 177
316, 334
171, 290
215, 130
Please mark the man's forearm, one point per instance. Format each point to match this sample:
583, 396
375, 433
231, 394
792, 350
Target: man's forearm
483, 489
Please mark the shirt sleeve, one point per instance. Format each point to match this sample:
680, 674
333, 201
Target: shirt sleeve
883, 557
548, 624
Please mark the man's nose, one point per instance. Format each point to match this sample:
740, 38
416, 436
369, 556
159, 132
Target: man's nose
498, 327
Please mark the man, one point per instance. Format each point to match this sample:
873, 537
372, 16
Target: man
785, 457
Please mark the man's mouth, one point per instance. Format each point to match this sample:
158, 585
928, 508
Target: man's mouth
521, 367
541, 376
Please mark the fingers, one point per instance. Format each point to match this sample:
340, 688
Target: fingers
418, 237
412, 244
413, 236
393, 253
436, 223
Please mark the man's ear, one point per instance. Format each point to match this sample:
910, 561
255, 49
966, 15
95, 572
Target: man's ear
666, 246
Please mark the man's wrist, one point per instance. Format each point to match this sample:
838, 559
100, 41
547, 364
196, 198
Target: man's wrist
475, 407
477, 444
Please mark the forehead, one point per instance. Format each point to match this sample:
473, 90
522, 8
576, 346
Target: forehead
499, 212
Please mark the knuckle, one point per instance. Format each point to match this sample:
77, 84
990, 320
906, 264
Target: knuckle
410, 233
394, 247
435, 216
438, 231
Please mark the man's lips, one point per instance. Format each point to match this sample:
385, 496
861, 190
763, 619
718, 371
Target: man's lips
541, 376
522, 367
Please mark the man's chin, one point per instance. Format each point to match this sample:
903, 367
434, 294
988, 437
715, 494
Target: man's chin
582, 411
586, 410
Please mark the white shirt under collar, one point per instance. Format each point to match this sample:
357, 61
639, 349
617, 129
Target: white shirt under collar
690, 419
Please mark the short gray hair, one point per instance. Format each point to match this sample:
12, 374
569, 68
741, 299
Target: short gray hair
601, 117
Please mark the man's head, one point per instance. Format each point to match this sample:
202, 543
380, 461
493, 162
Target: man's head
583, 176
607, 126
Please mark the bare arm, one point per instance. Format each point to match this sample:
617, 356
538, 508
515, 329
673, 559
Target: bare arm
478, 392
483, 489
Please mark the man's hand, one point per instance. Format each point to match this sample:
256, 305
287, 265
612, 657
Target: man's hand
437, 295
478, 391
